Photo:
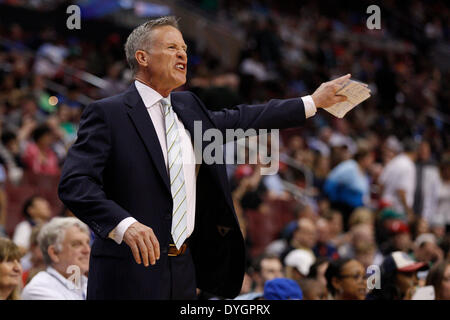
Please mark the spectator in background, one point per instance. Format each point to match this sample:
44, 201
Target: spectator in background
265, 268
25, 116
427, 250
321, 170
390, 149
347, 185
439, 278
10, 270
441, 220
318, 269
114, 83
321, 142
64, 243
303, 237
346, 279
38, 157
361, 215
66, 125
335, 222
398, 277
368, 255
398, 180
361, 243
313, 289
10, 155
324, 247
298, 262
426, 195
399, 237
282, 289
362, 238
33, 261
36, 210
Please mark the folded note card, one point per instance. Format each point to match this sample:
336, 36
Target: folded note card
355, 91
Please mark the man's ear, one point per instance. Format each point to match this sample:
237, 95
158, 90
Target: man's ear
53, 253
142, 58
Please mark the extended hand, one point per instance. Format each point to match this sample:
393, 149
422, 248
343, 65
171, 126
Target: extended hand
325, 95
141, 239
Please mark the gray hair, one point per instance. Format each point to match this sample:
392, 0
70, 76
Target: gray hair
140, 38
54, 232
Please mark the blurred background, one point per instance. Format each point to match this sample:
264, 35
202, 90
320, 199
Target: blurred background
361, 187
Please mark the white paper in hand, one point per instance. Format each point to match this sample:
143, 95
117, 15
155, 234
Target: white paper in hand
356, 92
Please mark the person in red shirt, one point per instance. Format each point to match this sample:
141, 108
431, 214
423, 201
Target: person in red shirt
38, 156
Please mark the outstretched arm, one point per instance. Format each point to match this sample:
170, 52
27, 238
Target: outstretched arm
278, 114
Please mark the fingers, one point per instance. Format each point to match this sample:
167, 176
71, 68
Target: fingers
340, 99
143, 243
155, 244
144, 251
150, 250
135, 251
341, 80
336, 87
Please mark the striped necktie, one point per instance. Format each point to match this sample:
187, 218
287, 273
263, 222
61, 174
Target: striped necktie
176, 175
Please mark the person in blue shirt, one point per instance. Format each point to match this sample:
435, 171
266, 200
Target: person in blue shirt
347, 186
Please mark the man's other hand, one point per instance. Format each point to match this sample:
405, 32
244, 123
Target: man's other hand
143, 243
325, 95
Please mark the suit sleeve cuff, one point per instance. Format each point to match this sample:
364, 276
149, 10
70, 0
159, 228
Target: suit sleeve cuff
310, 106
117, 233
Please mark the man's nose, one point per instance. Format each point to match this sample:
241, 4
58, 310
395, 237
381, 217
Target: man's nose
86, 248
182, 55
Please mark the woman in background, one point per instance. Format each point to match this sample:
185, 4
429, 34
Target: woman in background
439, 278
10, 270
346, 279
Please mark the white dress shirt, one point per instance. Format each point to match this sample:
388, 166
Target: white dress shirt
51, 285
151, 100
399, 174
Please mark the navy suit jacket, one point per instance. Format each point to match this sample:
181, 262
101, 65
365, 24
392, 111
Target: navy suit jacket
116, 169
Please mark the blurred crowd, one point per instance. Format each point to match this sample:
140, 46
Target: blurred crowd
357, 201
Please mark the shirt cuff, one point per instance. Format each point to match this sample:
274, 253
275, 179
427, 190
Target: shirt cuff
310, 106
117, 233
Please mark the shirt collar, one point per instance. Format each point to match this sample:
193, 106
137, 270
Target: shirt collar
67, 283
58, 275
148, 94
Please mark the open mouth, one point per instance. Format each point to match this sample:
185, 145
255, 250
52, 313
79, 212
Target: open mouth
180, 66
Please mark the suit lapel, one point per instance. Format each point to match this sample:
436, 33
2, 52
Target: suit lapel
187, 115
143, 123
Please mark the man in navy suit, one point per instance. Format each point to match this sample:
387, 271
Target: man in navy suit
119, 178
